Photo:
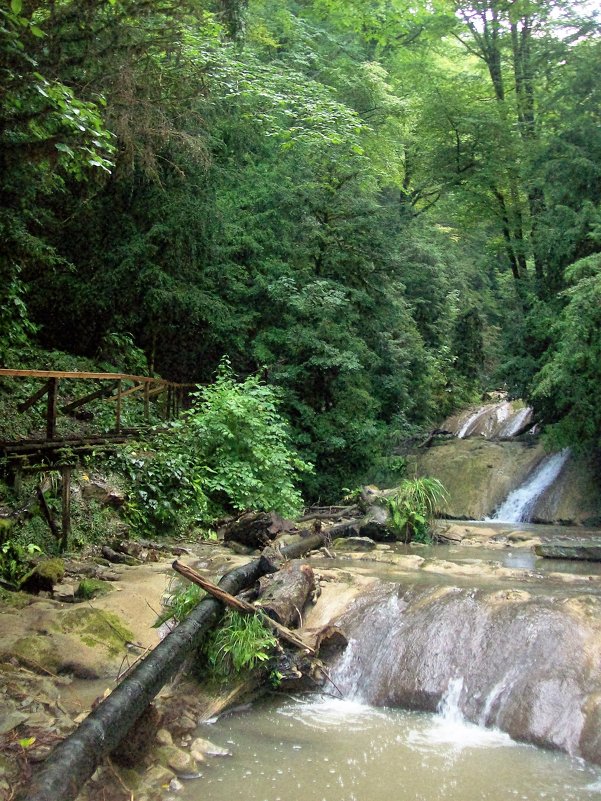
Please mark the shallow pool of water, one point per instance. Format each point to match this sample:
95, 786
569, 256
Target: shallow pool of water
318, 748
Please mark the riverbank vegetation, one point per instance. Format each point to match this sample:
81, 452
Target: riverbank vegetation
374, 212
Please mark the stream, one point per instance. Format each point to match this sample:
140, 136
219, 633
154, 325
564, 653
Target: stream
325, 748
317, 748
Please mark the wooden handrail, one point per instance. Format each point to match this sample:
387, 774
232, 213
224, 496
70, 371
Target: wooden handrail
143, 379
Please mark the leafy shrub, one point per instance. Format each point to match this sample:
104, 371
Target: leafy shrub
180, 603
230, 452
413, 507
14, 561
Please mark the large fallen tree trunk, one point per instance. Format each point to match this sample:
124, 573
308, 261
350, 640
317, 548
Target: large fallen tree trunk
242, 606
75, 759
283, 595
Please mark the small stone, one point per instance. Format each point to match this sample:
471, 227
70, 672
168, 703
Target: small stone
11, 720
187, 723
164, 737
207, 748
354, 544
180, 762
175, 785
156, 776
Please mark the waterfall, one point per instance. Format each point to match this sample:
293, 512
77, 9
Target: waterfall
516, 422
511, 661
469, 424
490, 421
520, 503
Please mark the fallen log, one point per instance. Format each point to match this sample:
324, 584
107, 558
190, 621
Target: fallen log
75, 759
283, 595
254, 529
241, 606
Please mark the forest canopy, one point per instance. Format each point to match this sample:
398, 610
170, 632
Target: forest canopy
379, 209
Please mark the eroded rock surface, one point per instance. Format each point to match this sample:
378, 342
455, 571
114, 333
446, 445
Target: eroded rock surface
529, 665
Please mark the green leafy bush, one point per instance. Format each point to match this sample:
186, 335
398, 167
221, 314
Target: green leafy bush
14, 561
231, 452
180, 603
413, 507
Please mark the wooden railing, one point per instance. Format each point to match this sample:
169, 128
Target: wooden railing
115, 390
62, 452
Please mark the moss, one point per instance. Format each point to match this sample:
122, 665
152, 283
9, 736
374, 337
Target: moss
14, 600
95, 627
37, 651
90, 588
44, 575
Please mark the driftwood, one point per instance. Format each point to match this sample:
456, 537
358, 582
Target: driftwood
75, 759
254, 529
241, 606
283, 595
436, 432
327, 513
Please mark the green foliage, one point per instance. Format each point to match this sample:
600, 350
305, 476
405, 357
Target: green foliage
15, 561
566, 389
241, 644
326, 204
243, 442
231, 452
413, 507
180, 603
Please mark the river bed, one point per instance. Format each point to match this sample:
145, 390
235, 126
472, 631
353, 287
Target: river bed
318, 748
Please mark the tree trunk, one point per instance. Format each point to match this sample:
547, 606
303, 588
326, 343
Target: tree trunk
283, 595
75, 759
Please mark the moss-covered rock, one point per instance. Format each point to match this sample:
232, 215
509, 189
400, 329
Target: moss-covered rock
44, 576
91, 588
97, 628
13, 600
38, 651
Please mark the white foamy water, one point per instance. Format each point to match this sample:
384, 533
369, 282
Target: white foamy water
519, 504
450, 729
470, 423
516, 422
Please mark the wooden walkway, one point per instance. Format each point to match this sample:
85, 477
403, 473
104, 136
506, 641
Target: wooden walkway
61, 452
114, 387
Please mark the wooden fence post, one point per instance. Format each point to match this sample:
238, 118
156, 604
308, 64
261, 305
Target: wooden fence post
118, 409
66, 507
146, 401
51, 408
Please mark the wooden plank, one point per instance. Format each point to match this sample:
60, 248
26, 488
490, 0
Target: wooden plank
127, 392
51, 408
27, 404
99, 393
118, 408
66, 442
156, 391
47, 513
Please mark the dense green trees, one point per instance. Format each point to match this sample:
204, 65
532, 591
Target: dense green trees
370, 206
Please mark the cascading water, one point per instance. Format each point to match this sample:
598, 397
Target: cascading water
491, 421
524, 662
520, 503
516, 423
